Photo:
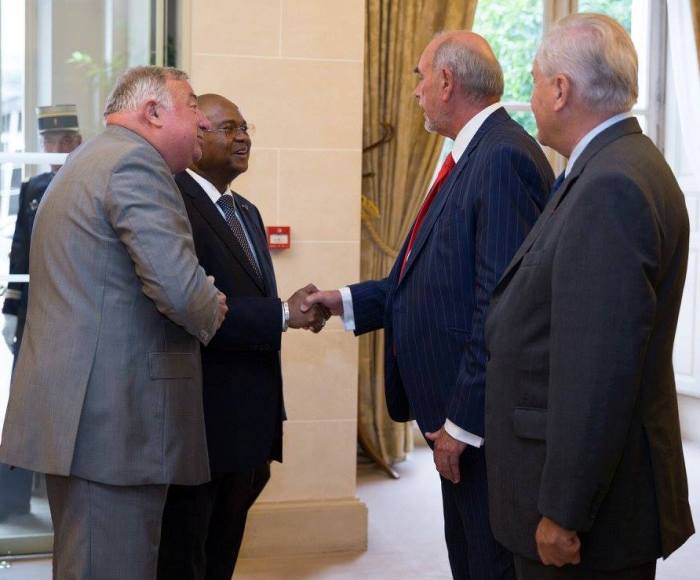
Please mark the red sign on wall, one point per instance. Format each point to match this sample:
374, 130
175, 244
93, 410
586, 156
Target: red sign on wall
279, 237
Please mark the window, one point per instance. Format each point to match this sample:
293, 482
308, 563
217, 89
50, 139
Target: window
514, 29
682, 152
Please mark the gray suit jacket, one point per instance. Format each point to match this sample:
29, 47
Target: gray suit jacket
581, 410
108, 382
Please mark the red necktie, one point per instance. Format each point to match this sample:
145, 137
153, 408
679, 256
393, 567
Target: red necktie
447, 166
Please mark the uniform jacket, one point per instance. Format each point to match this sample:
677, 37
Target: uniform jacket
16, 298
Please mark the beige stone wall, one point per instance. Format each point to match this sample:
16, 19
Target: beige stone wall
294, 67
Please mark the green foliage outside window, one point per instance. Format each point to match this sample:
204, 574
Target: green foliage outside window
620, 10
514, 30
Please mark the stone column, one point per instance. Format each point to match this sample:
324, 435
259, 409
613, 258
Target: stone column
295, 69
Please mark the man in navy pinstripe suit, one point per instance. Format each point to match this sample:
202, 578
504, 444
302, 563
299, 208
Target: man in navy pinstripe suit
432, 304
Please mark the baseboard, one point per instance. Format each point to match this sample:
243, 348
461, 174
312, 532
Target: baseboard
689, 411
305, 527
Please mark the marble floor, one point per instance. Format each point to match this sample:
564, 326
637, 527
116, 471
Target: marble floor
405, 535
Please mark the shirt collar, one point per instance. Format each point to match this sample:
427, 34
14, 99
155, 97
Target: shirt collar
467, 132
588, 137
208, 187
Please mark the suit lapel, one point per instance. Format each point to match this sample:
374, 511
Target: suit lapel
433, 213
539, 226
625, 127
259, 241
217, 222
453, 178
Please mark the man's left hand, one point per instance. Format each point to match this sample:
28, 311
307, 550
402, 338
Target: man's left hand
557, 546
446, 452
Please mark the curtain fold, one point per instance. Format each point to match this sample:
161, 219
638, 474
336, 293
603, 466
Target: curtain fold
683, 43
695, 13
396, 174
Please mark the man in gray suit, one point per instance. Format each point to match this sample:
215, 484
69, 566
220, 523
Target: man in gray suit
106, 397
585, 464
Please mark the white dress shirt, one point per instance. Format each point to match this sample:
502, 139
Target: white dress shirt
461, 143
588, 137
214, 194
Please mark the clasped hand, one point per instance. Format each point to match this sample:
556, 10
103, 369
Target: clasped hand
221, 306
557, 546
312, 318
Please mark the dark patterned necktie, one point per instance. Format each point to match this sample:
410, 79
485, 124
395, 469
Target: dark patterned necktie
557, 182
225, 202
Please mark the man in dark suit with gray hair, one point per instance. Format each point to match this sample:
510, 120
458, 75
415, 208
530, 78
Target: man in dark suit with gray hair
585, 464
106, 398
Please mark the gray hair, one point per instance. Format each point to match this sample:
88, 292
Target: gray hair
478, 75
139, 84
597, 55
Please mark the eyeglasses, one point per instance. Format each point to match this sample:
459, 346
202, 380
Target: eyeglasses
231, 131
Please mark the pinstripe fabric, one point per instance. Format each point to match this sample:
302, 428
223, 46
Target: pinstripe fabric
474, 555
433, 317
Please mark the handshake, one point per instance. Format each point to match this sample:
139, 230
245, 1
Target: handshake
310, 308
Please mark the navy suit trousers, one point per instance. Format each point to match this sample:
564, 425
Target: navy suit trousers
473, 551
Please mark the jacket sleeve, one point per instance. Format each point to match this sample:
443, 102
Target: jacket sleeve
369, 303
603, 306
148, 214
252, 323
505, 211
19, 255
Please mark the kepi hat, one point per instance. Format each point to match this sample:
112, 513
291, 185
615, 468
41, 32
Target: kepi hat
57, 118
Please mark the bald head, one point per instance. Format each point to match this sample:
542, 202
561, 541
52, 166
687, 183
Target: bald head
476, 70
469, 40
211, 103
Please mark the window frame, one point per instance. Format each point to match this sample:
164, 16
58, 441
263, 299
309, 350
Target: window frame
656, 82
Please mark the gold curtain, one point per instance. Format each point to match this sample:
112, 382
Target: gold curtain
695, 9
396, 175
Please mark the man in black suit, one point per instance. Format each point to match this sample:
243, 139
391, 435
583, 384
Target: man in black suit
585, 463
58, 131
203, 525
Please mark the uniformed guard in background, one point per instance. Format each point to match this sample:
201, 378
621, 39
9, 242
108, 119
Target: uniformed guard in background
59, 133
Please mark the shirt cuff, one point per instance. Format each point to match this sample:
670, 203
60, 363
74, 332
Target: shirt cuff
462, 435
348, 312
285, 316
